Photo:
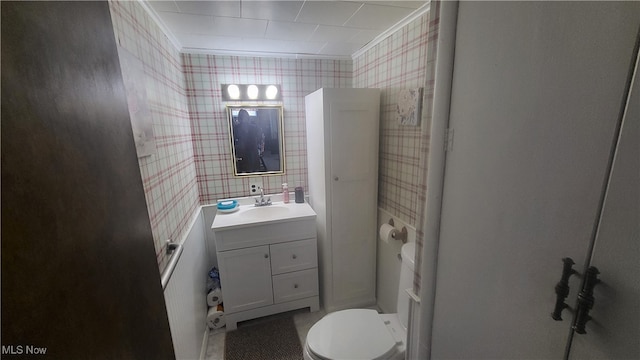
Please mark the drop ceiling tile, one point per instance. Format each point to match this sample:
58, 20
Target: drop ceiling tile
281, 30
163, 6
217, 8
377, 16
271, 10
404, 4
248, 45
327, 12
185, 23
223, 43
196, 41
239, 27
364, 36
280, 46
340, 48
333, 33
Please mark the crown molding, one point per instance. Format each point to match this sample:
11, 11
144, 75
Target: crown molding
411, 17
165, 29
268, 54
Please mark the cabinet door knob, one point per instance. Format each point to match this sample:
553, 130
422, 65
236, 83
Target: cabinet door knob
266, 256
295, 286
335, 178
294, 256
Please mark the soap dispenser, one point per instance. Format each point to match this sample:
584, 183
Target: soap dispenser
285, 193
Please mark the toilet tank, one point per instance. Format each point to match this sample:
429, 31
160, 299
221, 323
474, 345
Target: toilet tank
408, 253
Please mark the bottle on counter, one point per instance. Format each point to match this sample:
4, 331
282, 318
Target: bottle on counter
285, 193
299, 194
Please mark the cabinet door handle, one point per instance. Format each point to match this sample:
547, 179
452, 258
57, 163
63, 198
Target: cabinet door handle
562, 289
586, 300
266, 256
294, 256
295, 286
335, 178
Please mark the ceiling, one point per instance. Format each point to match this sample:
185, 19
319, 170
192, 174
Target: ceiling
294, 28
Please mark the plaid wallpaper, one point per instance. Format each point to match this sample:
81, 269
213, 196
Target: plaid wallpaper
398, 62
298, 77
193, 163
169, 176
433, 22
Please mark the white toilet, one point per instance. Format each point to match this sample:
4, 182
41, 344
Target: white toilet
363, 333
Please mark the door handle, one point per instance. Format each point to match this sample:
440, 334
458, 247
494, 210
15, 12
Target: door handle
586, 300
562, 288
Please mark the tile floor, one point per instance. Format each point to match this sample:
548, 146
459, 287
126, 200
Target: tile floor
302, 318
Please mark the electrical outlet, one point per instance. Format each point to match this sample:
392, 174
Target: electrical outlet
254, 186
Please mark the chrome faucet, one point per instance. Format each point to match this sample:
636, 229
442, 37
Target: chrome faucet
262, 201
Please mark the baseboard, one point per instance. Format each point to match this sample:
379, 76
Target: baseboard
205, 344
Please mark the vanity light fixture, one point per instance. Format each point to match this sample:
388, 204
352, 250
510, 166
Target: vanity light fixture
251, 92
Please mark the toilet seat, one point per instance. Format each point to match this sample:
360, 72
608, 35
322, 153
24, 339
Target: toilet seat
351, 334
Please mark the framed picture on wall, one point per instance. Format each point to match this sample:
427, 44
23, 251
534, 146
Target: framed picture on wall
409, 108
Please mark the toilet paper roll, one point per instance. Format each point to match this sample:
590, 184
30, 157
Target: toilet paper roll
215, 318
214, 297
387, 232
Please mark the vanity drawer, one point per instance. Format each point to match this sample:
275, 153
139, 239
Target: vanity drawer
264, 234
293, 256
295, 285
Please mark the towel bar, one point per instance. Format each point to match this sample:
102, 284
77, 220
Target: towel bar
175, 250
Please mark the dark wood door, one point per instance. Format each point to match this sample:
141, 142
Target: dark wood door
79, 272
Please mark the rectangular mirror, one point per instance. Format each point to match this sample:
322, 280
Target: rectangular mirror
257, 142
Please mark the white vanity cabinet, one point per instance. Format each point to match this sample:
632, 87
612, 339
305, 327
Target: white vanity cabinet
247, 278
267, 266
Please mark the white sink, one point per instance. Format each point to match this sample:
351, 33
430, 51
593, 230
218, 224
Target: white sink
266, 212
250, 215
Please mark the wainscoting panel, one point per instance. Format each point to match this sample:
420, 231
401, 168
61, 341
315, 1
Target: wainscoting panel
185, 294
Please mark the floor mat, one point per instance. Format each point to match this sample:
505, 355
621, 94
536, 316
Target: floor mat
275, 339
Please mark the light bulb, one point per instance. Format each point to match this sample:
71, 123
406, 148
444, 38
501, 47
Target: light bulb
233, 91
271, 92
252, 92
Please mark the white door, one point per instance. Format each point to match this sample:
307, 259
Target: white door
354, 164
614, 331
537, 90
245, 275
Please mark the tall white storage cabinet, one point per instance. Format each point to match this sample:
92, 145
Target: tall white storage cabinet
342, 154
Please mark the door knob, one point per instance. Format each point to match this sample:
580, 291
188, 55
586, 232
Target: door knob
294, 256
562, 289
295, 286
335, 178
586, 300
266, 256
